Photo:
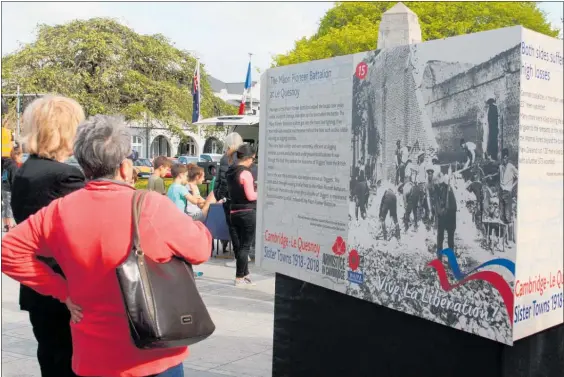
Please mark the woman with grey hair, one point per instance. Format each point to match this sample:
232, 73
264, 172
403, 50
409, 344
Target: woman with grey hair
89, 234
231, 143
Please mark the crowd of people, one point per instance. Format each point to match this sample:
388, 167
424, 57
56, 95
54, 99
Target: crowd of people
74, 228
428, 194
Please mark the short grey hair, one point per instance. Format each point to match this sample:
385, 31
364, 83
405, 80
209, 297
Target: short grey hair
102, 143
232, 141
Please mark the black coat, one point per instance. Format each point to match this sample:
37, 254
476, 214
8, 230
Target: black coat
221, 190
38, 182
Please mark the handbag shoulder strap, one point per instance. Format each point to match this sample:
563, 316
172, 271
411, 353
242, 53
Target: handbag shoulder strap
137, 203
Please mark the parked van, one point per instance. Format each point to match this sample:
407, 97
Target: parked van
245, 125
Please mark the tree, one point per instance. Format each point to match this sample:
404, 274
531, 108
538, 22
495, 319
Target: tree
110, 69
352, 27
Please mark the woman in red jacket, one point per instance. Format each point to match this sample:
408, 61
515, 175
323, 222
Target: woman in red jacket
88, 233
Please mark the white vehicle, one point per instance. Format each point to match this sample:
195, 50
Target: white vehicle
210, 157
245, 125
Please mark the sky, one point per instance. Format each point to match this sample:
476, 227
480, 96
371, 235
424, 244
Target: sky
221, 34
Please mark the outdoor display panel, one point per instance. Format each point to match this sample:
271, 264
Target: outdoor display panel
371, 161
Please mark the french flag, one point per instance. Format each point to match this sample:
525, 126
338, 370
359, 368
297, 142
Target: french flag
196, 94
246, 91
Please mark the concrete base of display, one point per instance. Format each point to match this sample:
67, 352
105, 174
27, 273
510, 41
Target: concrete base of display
319, 332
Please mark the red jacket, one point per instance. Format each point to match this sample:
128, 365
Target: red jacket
88, 232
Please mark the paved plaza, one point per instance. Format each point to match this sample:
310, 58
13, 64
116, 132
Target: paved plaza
240, 346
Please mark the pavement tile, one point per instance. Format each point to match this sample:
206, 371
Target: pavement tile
25, 332
189, 372
24, 347
6, 326
7, 339
21, 368
8, 357
258, 365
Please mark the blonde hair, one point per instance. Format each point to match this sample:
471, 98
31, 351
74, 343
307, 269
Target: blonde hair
50, 124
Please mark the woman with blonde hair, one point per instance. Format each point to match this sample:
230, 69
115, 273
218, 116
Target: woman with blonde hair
49, 126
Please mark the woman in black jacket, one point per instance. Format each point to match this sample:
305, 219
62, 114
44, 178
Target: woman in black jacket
50, 124
231, 143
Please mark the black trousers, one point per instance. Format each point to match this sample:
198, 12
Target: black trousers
51, 328
232, 232
244, 223
446, 222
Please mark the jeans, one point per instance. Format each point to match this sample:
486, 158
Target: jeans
177, 371
244, 224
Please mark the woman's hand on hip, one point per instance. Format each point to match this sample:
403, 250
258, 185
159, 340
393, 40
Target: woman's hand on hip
75, 310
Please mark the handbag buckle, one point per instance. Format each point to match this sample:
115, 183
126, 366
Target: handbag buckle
186, 319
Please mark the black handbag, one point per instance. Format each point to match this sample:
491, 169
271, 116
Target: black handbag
161, 300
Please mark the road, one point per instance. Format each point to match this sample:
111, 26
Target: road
240, 346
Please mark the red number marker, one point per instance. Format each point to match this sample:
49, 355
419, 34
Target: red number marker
361, 70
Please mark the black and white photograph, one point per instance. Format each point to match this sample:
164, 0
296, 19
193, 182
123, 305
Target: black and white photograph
434, 167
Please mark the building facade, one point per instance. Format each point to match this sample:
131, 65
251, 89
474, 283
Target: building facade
157, 140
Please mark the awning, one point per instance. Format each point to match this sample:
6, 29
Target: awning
230, 120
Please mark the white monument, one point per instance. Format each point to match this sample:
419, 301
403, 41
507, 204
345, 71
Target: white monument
399, 26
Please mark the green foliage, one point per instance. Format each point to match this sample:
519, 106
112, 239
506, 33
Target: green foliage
352, 27
110, 69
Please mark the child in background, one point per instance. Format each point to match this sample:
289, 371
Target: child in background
193, 182
198, 207
161, 167
180, 196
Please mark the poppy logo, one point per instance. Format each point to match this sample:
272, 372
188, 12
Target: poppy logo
339, 247
354, 260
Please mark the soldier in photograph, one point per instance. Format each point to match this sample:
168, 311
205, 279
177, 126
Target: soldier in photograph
388, 204
508, 175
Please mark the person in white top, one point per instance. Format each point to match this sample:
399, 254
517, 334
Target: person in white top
508, 175
402, 155
469, 149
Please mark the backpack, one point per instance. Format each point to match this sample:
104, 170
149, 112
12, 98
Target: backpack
5, 176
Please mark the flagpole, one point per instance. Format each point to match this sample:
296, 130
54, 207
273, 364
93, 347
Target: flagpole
199, 96
251, 88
